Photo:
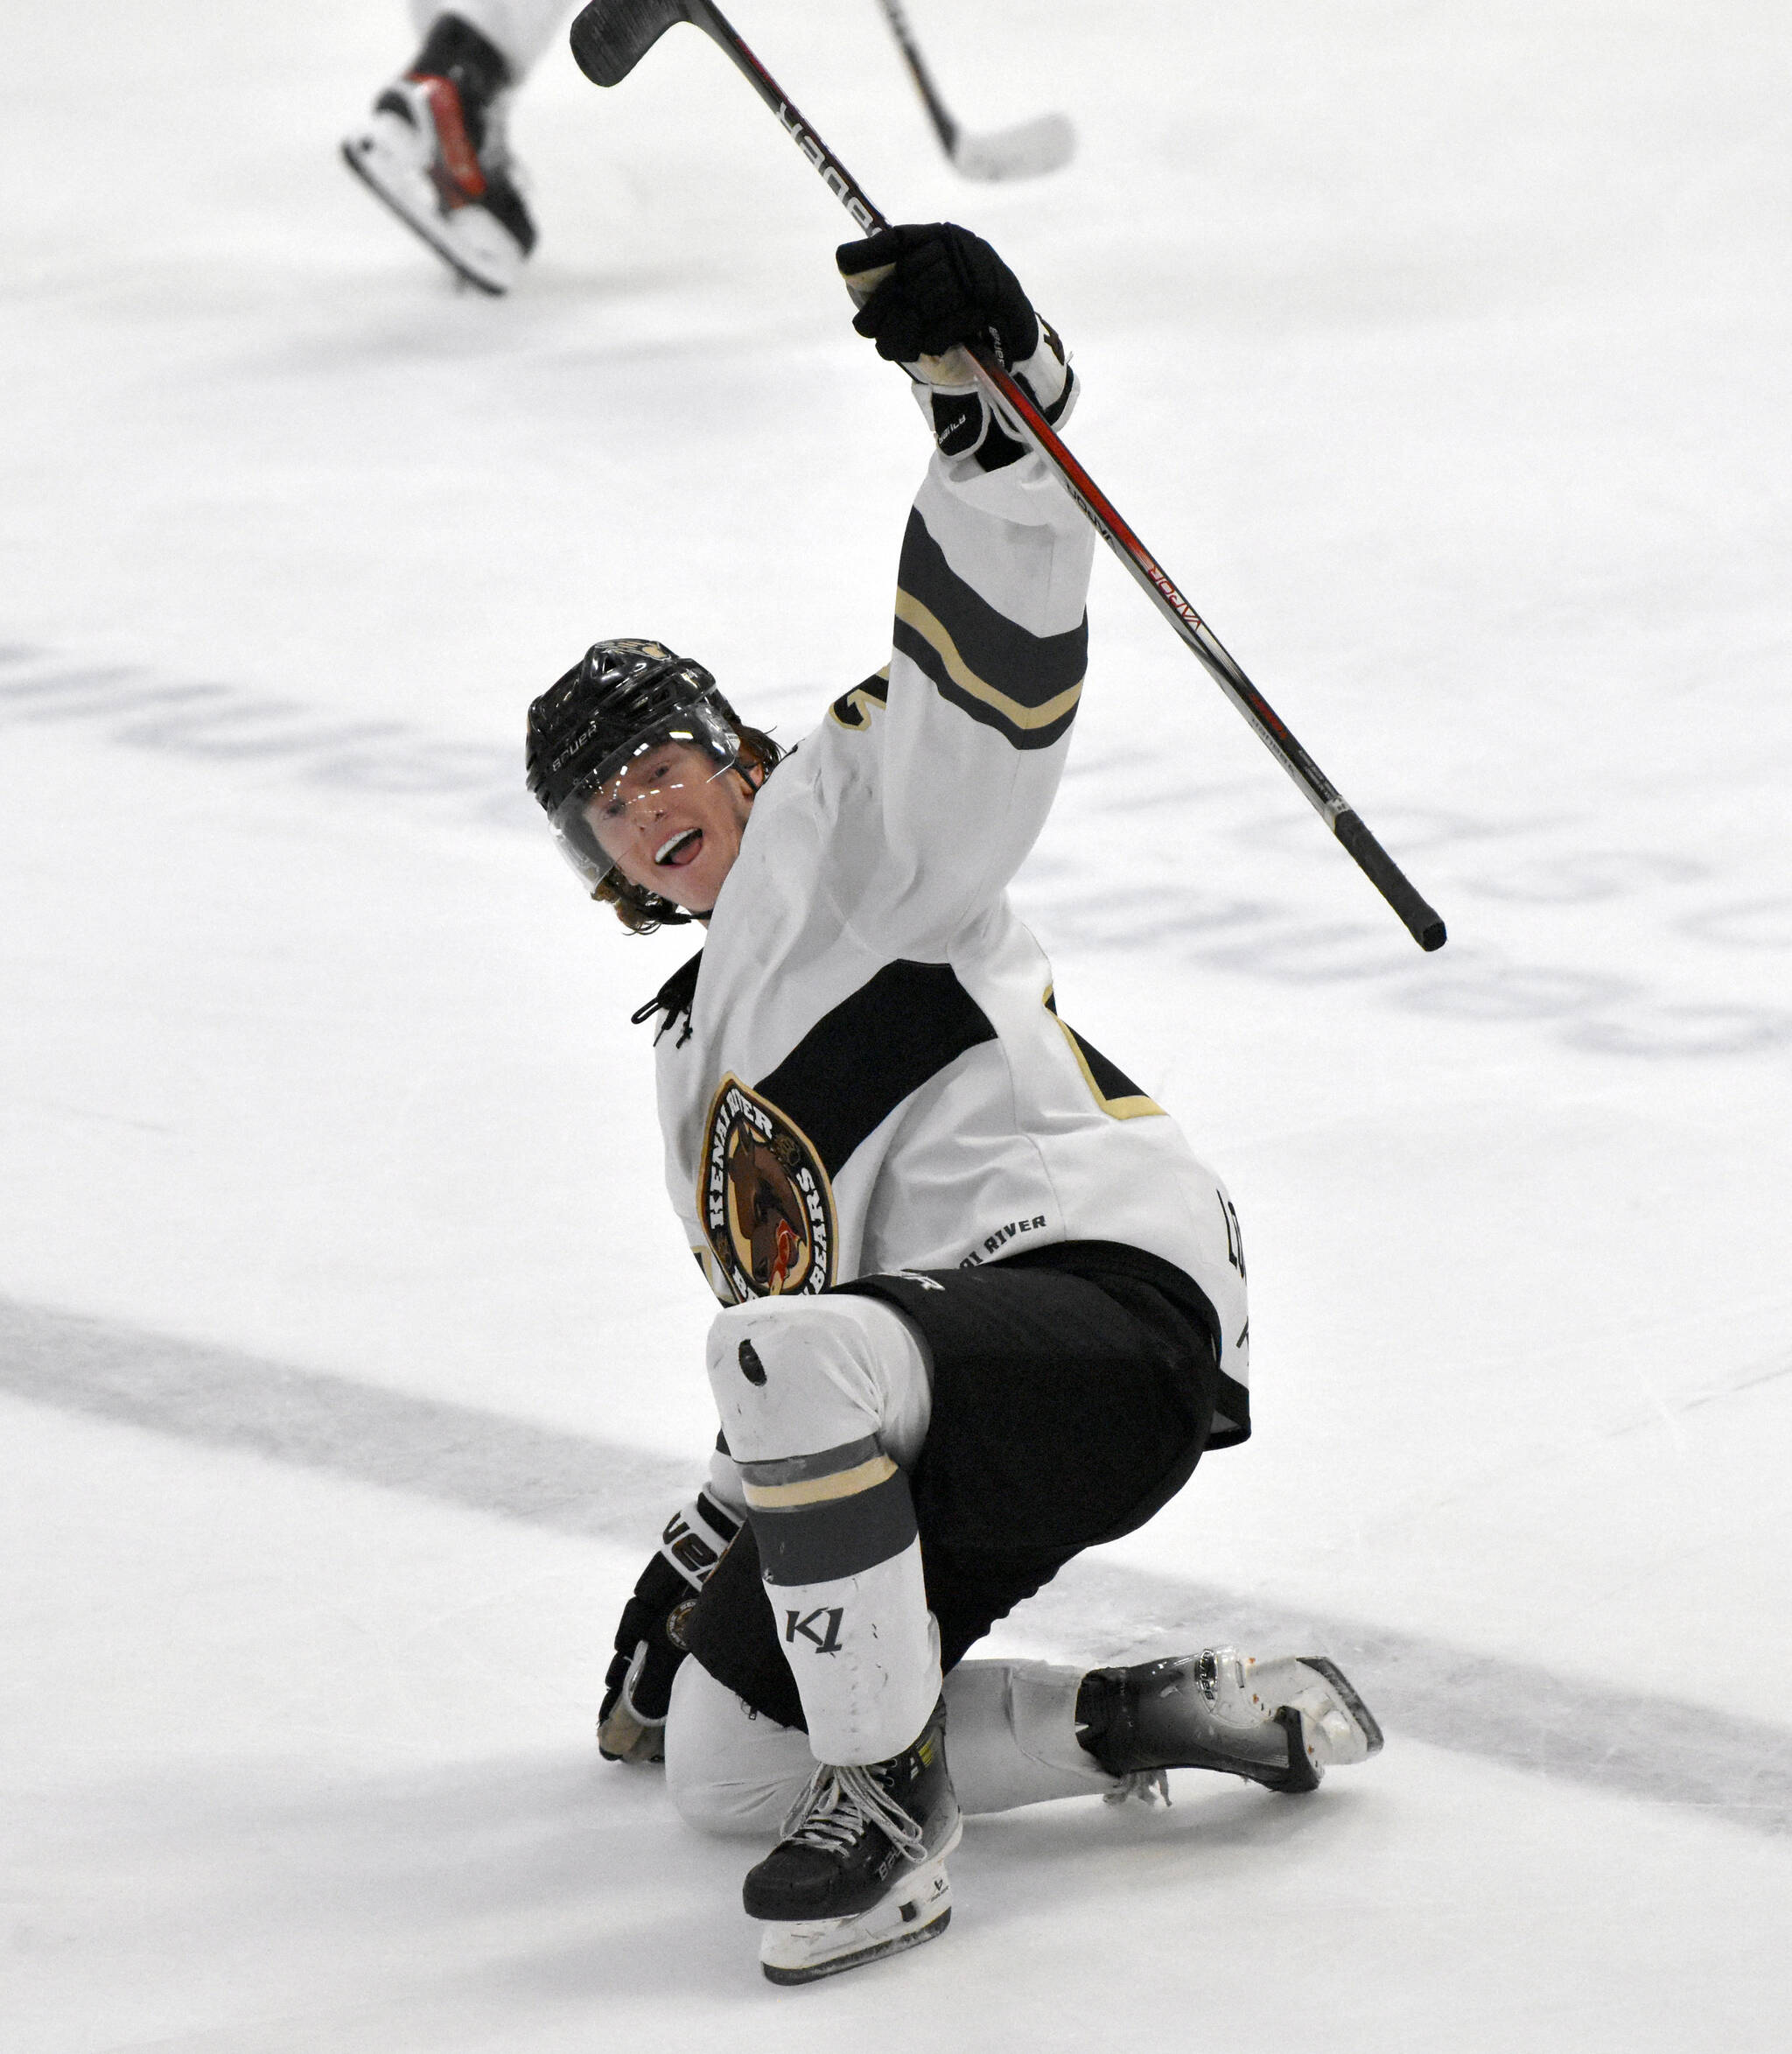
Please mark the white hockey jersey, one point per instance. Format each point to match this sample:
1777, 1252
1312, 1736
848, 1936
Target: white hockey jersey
865, 1070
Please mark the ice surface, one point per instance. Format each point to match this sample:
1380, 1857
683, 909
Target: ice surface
1442, 360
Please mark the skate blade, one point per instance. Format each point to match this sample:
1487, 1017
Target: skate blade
920, 1911
1340, 1729
486, 262
1367, 1728
1335, 1728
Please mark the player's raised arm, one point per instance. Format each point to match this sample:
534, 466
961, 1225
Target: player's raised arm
991, 637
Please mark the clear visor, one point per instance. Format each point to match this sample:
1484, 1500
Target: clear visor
695, 747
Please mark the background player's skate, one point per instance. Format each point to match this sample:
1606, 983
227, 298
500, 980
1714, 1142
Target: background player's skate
434, 150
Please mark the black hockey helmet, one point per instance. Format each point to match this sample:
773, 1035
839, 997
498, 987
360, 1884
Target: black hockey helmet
620, 700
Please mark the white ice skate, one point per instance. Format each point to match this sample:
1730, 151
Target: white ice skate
417, 154
861, 1871
1281, 1721
918, 1909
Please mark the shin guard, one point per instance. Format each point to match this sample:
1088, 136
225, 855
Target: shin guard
837, 1537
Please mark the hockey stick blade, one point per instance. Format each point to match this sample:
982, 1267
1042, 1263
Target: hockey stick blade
611, 37
1027, 152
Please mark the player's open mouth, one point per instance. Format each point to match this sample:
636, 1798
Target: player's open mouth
681, 849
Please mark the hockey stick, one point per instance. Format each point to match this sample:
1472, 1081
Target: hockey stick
611, 37
1025, 152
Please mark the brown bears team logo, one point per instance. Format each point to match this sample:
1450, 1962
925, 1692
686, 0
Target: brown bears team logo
767, 1205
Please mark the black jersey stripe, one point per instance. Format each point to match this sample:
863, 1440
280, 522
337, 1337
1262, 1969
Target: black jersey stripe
1029, 668
856, 1064
970, 696
1113, 1090
1024, 685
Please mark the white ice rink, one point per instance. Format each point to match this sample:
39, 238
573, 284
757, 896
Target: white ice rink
349, 1355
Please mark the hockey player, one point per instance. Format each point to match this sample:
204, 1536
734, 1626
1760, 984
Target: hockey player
986, 1307
435, 148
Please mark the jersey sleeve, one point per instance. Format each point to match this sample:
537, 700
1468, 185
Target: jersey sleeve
986, 669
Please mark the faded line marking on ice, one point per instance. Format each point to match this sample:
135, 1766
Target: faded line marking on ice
1657, 1009
227, 724
1624, 1743
457, 1454
1258, 936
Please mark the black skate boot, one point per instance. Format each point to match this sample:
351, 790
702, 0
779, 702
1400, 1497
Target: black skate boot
861, 1871
434, 151
1281, 1722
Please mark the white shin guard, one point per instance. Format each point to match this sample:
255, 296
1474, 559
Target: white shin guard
865, 1654
1011, 1737
822, 1402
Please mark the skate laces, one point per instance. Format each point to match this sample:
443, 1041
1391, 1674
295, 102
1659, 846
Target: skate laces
837, 1805
1148, 1786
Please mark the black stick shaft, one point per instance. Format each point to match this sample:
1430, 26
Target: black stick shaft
1421, 920
944, 126
834, 174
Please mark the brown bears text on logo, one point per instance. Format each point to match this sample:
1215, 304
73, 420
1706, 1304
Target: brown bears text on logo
767, 1207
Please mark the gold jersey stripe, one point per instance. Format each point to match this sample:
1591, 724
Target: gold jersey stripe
1129, 1106
785, 1497
932, 631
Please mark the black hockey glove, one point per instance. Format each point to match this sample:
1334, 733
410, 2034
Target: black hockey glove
942, 286
638, 1687
922, 292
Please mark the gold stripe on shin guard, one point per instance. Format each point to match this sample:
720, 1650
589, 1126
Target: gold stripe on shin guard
785, 1497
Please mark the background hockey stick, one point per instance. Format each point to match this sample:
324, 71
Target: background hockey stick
611, 37
1024, 152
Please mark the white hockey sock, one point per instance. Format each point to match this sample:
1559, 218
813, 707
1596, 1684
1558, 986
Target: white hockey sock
1010, 1740
1011, 1737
